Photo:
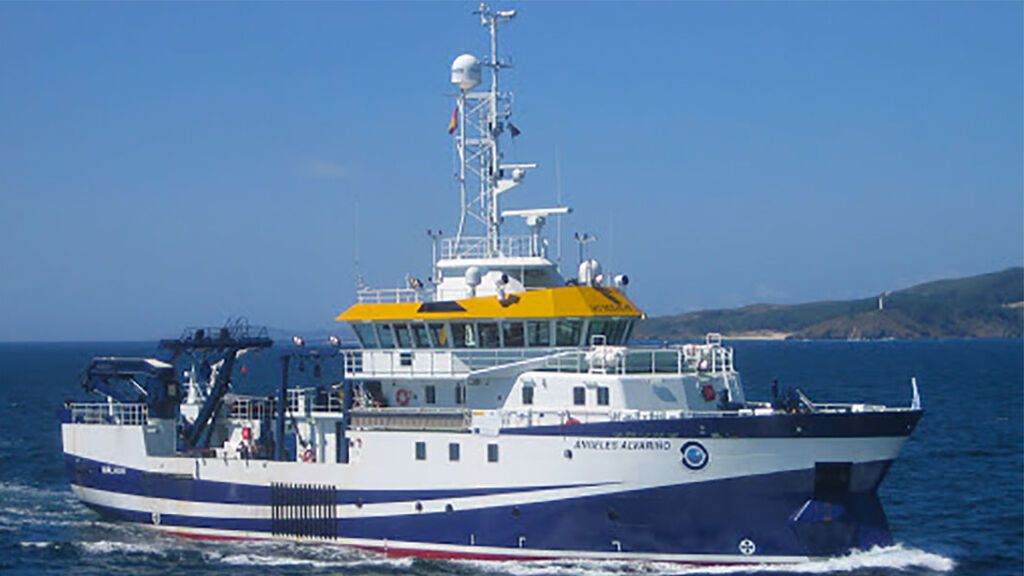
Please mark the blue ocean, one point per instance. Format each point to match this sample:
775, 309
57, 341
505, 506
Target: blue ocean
955, 498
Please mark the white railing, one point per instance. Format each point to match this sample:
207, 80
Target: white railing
691, 358
110, 413
438, 362
477, 247
388, 295
248, 408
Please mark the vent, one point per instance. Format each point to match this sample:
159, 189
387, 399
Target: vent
303, 510
831, 479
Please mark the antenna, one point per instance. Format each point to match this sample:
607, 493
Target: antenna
558, 202
360, 281
583, 240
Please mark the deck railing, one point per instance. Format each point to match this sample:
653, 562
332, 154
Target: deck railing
477, 247
391, 295
112, 413
710, 358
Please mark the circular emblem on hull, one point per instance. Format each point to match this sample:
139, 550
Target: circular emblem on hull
156, 518
747, 547
695, 456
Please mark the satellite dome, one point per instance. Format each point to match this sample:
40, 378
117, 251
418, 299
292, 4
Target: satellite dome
466, 72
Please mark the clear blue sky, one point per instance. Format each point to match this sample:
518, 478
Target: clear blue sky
163, 165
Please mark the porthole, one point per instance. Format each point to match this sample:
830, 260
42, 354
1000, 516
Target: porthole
449, 508
567, 454
419, 507
515, 512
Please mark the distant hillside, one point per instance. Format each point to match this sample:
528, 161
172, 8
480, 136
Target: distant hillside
985, 306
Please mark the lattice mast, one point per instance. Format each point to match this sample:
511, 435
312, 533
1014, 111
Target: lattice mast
482, 118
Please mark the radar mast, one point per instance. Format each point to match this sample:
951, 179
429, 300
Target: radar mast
482, 118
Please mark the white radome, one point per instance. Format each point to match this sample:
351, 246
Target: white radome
466, 72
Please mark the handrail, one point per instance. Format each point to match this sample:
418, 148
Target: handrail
479, 247
685, 359
391, 295
109, 413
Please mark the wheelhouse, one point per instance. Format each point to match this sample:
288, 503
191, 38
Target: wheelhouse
494, 333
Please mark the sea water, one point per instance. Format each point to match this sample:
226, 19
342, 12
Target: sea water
954, 497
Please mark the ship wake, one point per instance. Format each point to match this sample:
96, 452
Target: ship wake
882, 560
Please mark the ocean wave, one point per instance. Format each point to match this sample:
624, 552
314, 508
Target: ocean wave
33, 544
119, 547
271, 554
38, 492
898, 558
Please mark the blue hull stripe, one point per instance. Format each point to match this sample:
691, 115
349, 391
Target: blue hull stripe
820, 425
776, 511
89, 473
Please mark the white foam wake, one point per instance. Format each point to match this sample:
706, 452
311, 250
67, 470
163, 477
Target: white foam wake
311, 555
117, 547
895, 558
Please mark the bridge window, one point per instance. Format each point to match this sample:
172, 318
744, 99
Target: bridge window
453, 452
367, 337
567, 332
579, 395
439, 332
386, 336
403, 336
513, 334
492, 452
421, 450
419, 335
539, 332
597, 327
464, 334
628, 331
527, 394
489, 335
602, 396
613, 329
617, 331
430, 392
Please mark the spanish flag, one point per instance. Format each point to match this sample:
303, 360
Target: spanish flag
454, 122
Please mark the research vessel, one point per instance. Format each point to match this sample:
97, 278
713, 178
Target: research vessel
495, 410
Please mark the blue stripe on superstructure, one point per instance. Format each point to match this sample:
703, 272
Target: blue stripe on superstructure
812, 425
89, 473
695, 518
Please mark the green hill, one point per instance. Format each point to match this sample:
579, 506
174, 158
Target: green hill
985, 306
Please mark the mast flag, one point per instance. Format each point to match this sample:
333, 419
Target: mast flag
454, 123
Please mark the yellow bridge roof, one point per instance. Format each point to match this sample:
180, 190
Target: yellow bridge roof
562, 302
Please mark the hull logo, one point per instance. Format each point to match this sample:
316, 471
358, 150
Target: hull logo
695, 456
747, 547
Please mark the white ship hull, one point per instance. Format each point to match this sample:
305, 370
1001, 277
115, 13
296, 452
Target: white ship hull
583, 491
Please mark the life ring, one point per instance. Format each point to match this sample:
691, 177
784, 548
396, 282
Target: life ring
403, 397
308, 456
